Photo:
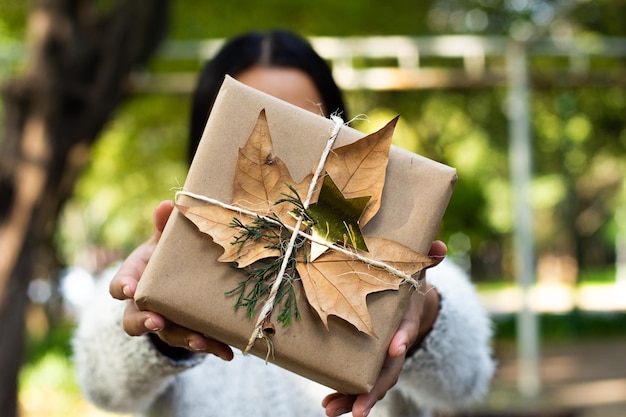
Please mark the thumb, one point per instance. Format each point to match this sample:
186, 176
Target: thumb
162, 214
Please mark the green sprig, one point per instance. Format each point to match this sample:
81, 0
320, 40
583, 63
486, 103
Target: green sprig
260, 276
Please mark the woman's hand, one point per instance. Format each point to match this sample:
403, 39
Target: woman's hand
416, 322
137, 322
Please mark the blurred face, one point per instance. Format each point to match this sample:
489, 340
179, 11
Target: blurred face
288, 84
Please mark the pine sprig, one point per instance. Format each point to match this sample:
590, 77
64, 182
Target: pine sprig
260, 228
290, 305
260, 276
256, 285
299, 210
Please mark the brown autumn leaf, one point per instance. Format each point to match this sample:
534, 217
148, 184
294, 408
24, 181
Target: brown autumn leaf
216, 221
259, 181
260, 176
359, 169
334, 283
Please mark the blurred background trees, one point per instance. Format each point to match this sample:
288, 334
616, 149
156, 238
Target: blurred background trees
80, 56
578, 127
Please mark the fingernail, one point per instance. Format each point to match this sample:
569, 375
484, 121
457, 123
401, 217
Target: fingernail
402, 349
367, 412
127, 292
150, 325
196, 344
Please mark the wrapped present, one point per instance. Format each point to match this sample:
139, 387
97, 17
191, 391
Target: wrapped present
347, 238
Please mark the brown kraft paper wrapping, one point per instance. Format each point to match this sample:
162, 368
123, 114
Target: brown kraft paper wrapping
186, 284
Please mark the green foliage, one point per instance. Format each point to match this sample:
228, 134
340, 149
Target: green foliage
12, 30
217, 19
56, 340
137, 162
48, 387
525, 19
12, 20
579, 163
594, 276
575, 325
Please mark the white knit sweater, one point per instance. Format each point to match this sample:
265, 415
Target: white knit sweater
120, 373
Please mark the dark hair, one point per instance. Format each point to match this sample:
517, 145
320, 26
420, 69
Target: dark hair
277, 48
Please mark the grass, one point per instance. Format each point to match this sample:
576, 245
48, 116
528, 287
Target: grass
602, 276
585, 277
575, 325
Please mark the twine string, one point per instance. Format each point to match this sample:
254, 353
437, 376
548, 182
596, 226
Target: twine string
353, 255
268, 306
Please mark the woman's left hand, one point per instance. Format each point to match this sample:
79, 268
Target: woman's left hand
416, 322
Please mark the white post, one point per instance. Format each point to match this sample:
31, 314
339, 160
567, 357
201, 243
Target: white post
620, 242
520, 161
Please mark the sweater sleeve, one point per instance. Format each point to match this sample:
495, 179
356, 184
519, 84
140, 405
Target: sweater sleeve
454, 365
115, 371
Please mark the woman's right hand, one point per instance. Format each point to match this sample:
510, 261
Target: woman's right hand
138, 322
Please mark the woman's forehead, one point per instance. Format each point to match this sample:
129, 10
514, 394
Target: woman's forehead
292, 85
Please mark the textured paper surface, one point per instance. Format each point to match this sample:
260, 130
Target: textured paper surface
185, 283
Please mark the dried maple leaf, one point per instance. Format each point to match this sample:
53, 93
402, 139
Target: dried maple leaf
260, 176
259, 181
218, 223
335, 284
359, 169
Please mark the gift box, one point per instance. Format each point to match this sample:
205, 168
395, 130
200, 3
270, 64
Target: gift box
186, 283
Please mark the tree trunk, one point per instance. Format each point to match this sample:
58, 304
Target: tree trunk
81, 60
